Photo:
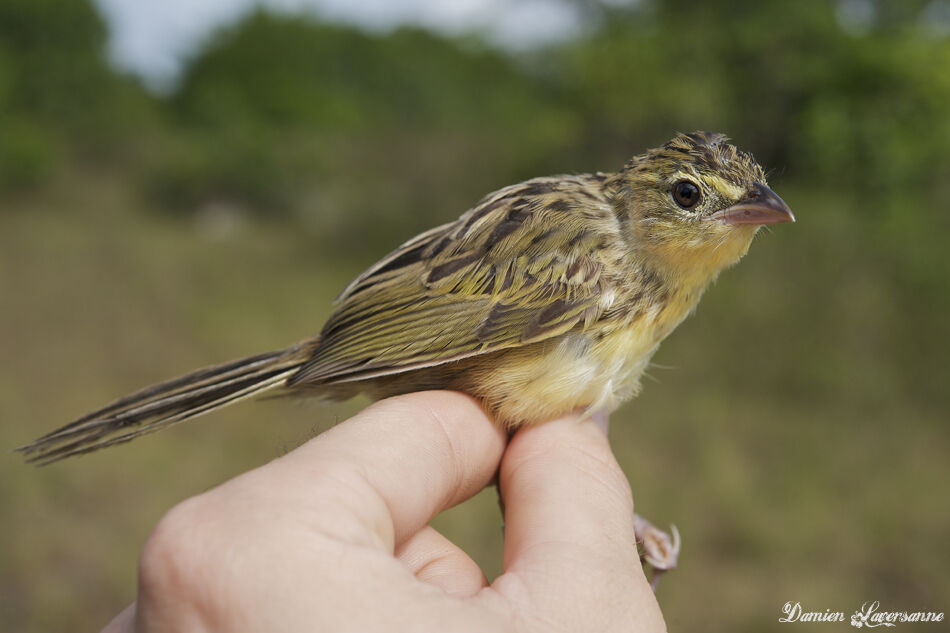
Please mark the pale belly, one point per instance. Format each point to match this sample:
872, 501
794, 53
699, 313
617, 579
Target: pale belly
575, 371
593, 370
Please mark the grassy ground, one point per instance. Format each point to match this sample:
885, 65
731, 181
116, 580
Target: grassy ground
795, 430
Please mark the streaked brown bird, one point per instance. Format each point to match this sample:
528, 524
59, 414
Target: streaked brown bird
545, 297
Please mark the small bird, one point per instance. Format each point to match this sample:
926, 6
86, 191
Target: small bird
545, 297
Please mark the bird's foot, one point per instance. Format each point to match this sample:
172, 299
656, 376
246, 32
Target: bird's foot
657, 548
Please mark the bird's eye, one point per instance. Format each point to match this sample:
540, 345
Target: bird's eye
686, 194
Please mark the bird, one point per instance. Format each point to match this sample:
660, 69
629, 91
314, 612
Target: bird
545, 297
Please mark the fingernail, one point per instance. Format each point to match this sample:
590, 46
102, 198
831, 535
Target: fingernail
602, 420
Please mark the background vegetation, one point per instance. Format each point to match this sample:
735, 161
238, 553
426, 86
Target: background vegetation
796, 431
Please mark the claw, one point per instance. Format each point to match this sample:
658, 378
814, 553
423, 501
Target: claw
657, 548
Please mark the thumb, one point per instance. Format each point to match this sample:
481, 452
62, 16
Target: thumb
569, 537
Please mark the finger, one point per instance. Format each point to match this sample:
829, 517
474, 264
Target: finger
383, 474
569, 537
122, 623
434, 559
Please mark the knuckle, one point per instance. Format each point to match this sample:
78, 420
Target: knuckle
173, 551
425, 412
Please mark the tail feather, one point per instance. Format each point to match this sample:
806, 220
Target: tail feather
168, 403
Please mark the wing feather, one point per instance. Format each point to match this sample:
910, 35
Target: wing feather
529, 262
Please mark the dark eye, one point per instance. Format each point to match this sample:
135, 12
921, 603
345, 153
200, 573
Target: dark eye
686, 194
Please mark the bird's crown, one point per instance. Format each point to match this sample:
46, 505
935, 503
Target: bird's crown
703, 154
688, 177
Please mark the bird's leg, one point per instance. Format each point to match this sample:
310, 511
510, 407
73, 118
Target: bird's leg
657, 549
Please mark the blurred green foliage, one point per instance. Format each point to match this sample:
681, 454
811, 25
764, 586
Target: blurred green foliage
275, 110
863, 110
59, 98
800, 446
288, 117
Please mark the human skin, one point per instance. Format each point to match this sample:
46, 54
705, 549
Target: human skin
334, 536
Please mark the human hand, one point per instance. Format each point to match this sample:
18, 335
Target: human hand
334, 536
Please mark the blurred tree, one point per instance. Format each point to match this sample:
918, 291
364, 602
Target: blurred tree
285, 70
282, 115
57, 90
287, 115
857, 108
55, 52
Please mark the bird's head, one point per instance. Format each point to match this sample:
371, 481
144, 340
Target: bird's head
696, 202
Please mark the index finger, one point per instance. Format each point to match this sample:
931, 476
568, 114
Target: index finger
395, 465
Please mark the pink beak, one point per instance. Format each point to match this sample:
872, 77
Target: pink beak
762, 206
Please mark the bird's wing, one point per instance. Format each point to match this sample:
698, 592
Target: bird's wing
527, 263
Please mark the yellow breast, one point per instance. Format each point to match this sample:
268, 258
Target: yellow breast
596, 369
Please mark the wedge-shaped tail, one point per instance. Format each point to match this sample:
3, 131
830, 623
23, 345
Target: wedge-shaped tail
168, 403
